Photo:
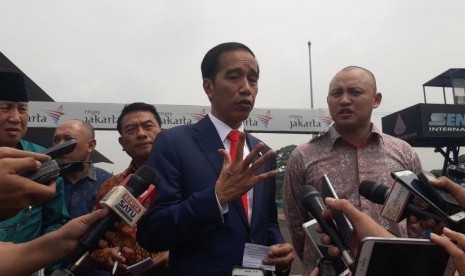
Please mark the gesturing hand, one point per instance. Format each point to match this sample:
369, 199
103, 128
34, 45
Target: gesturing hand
238, 176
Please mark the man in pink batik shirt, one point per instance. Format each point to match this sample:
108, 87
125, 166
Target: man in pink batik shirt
350, 151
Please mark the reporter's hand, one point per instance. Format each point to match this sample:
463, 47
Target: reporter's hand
431, 224
364, 225
17, 192
315, 272
7, 152
67, 237
457, 191
454, 244
46, 249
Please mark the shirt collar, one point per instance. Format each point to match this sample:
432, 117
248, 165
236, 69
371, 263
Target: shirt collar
222, 128
130, 169
92, 172
336, 138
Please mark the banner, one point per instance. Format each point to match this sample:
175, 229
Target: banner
103, 116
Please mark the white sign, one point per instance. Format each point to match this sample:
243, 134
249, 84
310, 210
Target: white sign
104, 116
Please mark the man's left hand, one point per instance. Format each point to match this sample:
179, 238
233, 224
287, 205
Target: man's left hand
281, 255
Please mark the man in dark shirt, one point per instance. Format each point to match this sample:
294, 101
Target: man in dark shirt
82, 180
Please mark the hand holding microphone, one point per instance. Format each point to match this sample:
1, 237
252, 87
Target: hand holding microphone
364, 225
313, 202
124, 206
16, 191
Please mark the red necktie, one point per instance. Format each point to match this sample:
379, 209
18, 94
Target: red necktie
233, 136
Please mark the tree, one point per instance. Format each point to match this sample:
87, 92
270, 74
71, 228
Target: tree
282, 155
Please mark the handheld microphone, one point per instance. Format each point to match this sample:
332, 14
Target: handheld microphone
123, 208
313, 202
146, 199
396, 205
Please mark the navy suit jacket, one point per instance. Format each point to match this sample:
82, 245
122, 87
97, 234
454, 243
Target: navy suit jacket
186, 218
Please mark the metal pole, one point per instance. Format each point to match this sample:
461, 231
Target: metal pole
311, 82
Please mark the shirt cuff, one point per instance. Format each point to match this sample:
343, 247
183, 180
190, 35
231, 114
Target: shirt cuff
223, 209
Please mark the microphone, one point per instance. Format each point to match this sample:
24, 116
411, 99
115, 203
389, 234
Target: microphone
313, 202
397, 203
122, 202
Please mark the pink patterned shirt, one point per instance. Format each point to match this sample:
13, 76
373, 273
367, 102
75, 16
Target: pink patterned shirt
346, 166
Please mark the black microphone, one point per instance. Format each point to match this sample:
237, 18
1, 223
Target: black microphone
313, 202
379, 193
136, 185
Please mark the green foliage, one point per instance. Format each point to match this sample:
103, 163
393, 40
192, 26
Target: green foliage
437, 172
462, 158
282, 155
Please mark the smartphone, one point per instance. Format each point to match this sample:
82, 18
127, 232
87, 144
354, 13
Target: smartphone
326, 263
47, 173
342, 222
244, 271
61, 149
137, 268
444, 199
50, 170
314, 236
410, 181
402, 256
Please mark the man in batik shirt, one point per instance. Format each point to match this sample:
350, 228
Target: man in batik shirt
138, 125
350, 151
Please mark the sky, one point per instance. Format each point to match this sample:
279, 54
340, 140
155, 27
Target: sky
143, 50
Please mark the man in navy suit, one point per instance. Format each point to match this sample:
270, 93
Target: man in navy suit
199, 214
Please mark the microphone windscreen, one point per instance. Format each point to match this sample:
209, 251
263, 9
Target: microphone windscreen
141, 179
146, 172
306, 191
373, 191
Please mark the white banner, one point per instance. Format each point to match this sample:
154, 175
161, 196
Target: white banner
104, 116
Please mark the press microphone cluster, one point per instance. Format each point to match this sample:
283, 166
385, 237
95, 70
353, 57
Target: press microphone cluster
397, 204
313, 202
123, 203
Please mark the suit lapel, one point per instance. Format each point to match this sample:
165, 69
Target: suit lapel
209, 142
258, 190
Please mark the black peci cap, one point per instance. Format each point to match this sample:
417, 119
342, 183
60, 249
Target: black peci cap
12, 87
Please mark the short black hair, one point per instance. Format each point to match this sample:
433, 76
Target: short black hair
134, 107
210, 62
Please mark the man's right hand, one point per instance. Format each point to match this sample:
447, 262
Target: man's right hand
238, 176
17, 192
117, 254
